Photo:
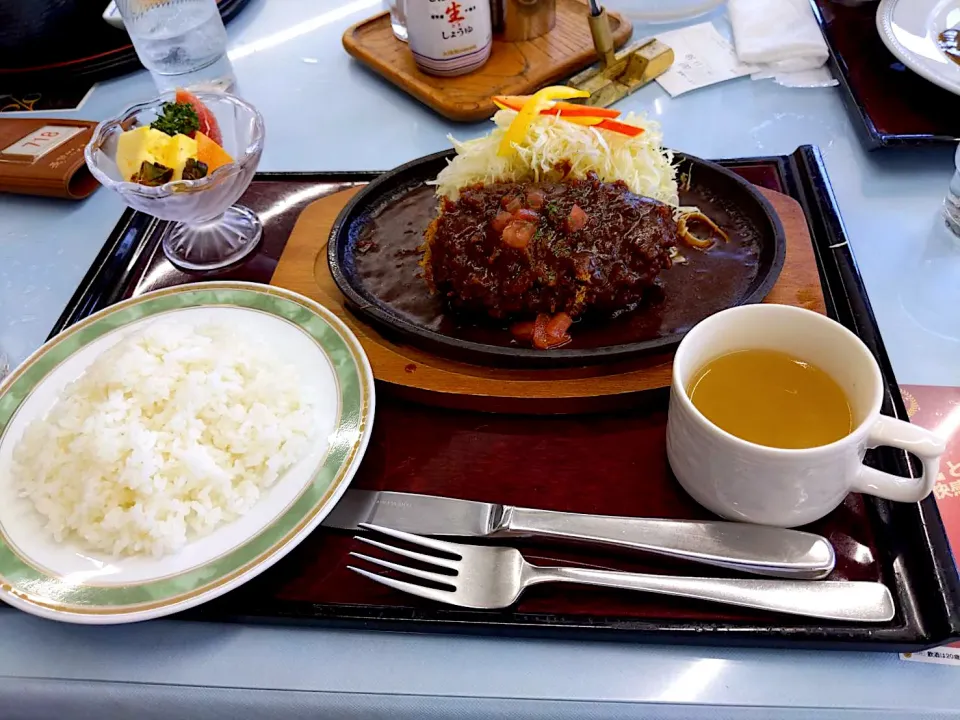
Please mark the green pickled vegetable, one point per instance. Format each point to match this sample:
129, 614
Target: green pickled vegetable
194, 169
152, 174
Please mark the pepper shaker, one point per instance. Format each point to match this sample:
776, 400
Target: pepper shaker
517, 20
449, 37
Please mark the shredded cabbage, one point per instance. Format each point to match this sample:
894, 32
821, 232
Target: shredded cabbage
641, 162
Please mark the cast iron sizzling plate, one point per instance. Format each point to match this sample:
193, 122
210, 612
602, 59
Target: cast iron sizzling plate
374, 260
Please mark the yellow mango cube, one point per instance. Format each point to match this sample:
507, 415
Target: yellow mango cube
136, 146
180, 149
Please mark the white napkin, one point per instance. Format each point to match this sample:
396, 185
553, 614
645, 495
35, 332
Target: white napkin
781, 37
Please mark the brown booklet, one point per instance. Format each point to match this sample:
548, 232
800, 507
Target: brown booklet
44, 156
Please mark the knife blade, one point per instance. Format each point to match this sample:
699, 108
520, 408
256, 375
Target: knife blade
754, 549
421, 514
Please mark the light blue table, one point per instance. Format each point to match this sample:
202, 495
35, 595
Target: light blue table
325, 112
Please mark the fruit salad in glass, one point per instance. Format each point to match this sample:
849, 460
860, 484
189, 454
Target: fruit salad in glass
186, 158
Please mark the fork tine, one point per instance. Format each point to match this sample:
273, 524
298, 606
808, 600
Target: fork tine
443, 596
426, 575
415, 539
428, 559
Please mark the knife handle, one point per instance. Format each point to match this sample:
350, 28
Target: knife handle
754, 549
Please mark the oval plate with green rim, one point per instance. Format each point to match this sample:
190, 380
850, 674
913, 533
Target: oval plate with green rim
65, 581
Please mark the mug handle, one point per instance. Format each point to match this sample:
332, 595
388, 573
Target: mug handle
923, 443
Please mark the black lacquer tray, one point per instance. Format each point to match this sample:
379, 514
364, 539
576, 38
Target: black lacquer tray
902, 545
79, 45
893, 105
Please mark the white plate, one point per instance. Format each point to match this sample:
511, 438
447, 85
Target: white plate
65, 581
909, 28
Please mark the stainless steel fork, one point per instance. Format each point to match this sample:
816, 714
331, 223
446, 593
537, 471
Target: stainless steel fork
494, 577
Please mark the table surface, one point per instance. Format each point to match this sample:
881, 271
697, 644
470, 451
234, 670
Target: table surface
324, 111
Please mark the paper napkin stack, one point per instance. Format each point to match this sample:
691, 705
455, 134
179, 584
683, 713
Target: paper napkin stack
782, 39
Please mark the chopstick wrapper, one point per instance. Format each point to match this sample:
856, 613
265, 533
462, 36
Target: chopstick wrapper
782, 38
44, 156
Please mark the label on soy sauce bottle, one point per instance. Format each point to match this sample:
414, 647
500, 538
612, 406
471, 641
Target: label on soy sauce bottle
449, 37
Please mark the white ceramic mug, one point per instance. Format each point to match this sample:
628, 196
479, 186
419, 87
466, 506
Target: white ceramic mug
740, 480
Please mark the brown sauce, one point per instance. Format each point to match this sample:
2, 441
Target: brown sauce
387, 263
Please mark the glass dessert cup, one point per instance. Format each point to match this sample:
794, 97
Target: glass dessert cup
207, 230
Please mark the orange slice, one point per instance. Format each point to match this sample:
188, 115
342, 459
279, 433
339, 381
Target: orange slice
210, 153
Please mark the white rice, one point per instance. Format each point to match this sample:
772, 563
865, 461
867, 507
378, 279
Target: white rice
169, 434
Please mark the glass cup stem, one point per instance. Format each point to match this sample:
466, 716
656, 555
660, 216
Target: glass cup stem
951, 203
215, 243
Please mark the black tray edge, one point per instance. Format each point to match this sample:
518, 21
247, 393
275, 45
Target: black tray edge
934, 611
942, 606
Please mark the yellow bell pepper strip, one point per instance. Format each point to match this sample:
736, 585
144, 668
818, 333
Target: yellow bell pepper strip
516, 102
526, 115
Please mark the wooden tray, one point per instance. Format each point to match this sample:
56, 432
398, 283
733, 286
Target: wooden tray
429, 378
513, 68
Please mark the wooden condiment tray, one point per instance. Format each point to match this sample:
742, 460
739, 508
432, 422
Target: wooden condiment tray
514, 68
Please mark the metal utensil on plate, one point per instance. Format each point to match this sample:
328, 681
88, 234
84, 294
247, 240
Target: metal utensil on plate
489, 578
754, 549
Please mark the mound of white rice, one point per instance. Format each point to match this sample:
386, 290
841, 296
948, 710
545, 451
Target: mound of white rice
167, 435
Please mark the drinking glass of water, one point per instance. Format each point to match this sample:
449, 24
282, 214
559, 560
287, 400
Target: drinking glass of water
175, 37
951, 203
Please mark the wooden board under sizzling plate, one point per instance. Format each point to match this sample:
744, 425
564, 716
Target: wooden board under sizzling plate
415, 373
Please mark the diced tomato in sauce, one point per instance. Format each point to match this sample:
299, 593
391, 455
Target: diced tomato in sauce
518, 234
536, 199
501, 221
576, 220
557, 327
522, 330
527, 215
550, 332
511, 203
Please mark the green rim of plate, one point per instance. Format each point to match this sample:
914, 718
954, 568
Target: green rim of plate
32, 585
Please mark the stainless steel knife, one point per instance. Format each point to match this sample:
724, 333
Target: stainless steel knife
748, 548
